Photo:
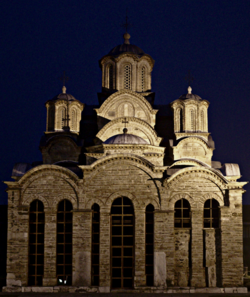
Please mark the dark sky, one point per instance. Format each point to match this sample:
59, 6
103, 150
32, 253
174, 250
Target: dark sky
41, 39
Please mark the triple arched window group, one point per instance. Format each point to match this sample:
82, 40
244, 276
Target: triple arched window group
192, 120
122, 240
127, 77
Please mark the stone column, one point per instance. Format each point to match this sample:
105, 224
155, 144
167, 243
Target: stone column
140, 277
104, 268
161, 237
49, 278
210, 256
198, 271
182, 238
81, 254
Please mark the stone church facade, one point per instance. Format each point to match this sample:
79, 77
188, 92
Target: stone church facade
127, 196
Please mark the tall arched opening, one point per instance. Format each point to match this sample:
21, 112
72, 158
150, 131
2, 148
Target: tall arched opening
122, 243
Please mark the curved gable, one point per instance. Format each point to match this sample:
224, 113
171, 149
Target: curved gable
126, 103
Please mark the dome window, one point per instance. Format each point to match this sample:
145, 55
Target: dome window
127, 77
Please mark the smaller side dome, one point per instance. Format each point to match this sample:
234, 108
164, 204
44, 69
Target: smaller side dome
125, 139
189, 95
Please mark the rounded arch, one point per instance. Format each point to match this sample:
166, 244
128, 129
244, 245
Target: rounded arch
29, 199
91, 201
40, 171
143, 126
91, 170
130, 96
109, 201
214, 196
154, 202
61, 198
177, 197
200, 172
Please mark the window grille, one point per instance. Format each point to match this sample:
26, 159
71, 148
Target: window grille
122, 243
36, 243
63, 114
143, 79
127, 77
64, 243
211, 214
149, 262
182, 217
95, 245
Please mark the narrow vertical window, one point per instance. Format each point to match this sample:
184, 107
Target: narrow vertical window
73, 120
111, 76
63, 115
202, 121
95, 245
149, 245
127, 77
192, 124
211, 214
182, 217
64, 243
36, 243
143, 79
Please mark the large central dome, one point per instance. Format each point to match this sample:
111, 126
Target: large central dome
126, 47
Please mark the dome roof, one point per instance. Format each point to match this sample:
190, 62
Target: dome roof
125, 139
122, 48
189, 95
64, 95
126, 47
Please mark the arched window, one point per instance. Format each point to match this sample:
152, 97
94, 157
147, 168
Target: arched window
182, 217
63, 116
95, 244
179, 120
192, 120
110, 76
51, 119
36, 243
202, 121
143, 74
64, 243
122, 243
73, 120
211, 214
127, 76
149, 245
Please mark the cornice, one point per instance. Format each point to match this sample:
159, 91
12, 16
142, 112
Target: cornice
125, 92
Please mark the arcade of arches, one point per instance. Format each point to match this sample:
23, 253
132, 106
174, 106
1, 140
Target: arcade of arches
127, 196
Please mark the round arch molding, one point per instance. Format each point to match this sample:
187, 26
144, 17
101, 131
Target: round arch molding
142, 108
199, 172
139, 128
42, 171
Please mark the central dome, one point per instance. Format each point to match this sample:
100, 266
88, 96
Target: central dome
126, 47
125, 139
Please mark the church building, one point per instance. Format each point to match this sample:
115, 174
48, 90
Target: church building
127, 197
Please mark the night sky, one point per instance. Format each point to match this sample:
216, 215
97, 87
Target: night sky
41, 39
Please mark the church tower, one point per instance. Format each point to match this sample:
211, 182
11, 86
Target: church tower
61, 142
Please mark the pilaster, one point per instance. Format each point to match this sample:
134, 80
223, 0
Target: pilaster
81, 254
49, 278
140, 277
198, 271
